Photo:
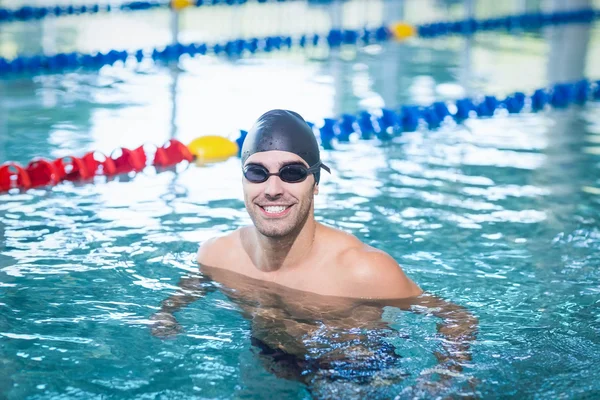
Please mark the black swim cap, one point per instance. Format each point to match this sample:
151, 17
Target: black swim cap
285, 131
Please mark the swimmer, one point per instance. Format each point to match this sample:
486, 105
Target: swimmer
287, 267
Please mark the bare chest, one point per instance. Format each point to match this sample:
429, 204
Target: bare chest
318, 276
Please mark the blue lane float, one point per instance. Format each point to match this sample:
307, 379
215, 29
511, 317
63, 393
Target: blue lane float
28, 13
236, 48
526, 21
385, 124
467, 26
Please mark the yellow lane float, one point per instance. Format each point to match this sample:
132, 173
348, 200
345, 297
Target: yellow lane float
210, 149
181, 4
402, 30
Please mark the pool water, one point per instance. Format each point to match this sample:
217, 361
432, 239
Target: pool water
500, 216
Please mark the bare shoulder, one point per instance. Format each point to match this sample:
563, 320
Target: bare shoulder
216, 252
373, 274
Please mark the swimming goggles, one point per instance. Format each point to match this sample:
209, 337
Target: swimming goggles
292, 173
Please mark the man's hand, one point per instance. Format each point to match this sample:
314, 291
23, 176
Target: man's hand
165, 325
192, 288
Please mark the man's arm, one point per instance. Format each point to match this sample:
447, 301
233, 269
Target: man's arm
458, 326
377, 276
192, 288
458, 329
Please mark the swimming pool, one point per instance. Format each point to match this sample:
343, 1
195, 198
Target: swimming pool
498, 215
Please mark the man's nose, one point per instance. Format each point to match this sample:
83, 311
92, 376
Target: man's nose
274, 186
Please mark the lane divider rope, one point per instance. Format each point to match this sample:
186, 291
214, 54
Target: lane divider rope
383, 125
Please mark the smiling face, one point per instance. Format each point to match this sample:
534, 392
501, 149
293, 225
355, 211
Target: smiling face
278, 208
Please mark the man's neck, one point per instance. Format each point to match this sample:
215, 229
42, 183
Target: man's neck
277, 254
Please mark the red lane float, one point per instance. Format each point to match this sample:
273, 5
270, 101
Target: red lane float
12, 176
41, 172
97, 163
129, 160
171, 153
71, 169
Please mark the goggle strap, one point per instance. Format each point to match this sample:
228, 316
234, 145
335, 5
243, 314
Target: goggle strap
318, 165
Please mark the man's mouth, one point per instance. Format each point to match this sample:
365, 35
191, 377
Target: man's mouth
275, 211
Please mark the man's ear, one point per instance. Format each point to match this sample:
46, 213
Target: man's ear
316, 188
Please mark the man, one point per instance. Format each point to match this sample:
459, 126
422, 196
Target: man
293, 275
286, 246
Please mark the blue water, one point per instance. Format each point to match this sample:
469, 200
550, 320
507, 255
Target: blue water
500, 216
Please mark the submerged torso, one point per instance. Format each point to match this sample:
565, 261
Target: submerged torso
299, 322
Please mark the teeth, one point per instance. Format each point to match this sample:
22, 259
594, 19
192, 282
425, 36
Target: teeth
274, 209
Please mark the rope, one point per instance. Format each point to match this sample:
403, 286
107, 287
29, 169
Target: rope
533, 20
509, 23
334, 39
27, 13
388, 123
383, 125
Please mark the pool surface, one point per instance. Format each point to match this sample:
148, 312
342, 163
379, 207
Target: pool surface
500, 216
